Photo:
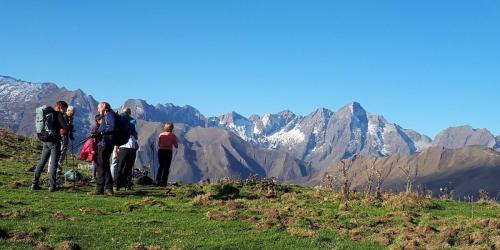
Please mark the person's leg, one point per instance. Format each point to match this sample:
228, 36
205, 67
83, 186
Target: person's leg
108, 179
55, 149
130, 167
159, 172
114, 165
166, 170
122, 162
41, 164
100, 170
64, 149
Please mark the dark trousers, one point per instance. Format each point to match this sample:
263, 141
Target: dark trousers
126, 161
165, 158
64, 150
50, 150
104, 181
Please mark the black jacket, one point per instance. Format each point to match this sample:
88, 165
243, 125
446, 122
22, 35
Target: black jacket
59, 123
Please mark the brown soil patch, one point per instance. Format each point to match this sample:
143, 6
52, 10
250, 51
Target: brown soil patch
69, 245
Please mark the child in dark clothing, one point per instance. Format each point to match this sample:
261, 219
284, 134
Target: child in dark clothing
98, 120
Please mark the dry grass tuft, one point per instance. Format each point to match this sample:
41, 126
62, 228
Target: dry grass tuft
61, 216
145, 247
201, 200
22, 237
21, 213
425, 230
233, 205
17, 184
43, 246
449, 235
289, 196
300, 232
69, 245
408, 201
217, 215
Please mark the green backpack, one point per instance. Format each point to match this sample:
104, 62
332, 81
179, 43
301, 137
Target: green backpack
44, 123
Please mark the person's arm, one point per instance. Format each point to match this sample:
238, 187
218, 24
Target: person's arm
175, 141
109, 124
62, 122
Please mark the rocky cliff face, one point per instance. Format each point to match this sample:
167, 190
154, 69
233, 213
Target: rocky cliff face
19, 99
459, 137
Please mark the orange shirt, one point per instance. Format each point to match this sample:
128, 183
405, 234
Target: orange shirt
167, 141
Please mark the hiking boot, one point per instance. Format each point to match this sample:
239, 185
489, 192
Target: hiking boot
35, 187
129, 188
52, 189
108, 192
95, 193
116, 189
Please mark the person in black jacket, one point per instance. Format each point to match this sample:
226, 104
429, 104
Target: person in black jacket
66, 134
104, 135
127, 154
52, 149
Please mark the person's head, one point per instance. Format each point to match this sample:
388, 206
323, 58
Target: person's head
102, 107
128, 111
70, 111
61, 106
98, 118
169, 127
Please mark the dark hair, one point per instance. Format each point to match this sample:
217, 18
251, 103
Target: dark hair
62, 104
106, 105
97, 118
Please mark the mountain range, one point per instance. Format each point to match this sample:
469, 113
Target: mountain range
285, 145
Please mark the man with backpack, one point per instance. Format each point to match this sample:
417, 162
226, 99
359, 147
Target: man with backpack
49, 122
127, 153
112, 132
104, 135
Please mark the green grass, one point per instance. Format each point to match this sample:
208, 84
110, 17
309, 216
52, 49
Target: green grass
294, 217
175, 223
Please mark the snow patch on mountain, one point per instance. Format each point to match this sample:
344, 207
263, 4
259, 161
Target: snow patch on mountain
13, 90
288, 139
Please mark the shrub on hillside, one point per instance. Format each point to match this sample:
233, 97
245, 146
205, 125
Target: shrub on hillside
222, 191
408, 201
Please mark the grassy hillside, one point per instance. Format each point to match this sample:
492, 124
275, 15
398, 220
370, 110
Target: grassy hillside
231, 214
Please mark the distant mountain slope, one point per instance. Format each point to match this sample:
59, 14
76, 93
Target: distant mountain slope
19, 99
325, 136
215, 153
284, 145
467, 169
459, 137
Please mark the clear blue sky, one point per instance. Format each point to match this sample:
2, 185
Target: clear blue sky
425, 65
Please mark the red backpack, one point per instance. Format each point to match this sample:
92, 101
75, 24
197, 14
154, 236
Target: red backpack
86, 153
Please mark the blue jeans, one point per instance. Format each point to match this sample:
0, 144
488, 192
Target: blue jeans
50, 150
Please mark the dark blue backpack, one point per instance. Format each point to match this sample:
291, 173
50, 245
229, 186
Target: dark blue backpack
122, 131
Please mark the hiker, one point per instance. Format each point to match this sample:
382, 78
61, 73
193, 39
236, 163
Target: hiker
89, 149
48, 127
66, 134
127, 154
166, 142
114, 166
104, 135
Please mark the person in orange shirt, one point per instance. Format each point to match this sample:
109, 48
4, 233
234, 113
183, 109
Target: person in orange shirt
166, 142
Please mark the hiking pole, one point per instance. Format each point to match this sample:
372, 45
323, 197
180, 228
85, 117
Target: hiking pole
73, 163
